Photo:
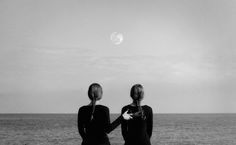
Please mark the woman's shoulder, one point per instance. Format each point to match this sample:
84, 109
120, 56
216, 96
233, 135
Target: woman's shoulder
97, 106
82, 108
147, 107
102, 107
88, 107
126, 107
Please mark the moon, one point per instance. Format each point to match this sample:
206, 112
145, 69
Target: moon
117, 38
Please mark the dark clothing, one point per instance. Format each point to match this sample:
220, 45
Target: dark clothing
138, 130
95, 132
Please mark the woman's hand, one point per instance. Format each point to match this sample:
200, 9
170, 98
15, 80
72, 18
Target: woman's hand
127, 116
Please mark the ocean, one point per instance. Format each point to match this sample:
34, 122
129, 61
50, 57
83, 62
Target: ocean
169, 129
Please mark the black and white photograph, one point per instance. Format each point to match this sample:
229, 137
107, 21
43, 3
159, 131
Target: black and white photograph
117, 72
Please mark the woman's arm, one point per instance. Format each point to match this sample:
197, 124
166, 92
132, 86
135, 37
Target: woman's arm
111, 126
80, 124
150, 122
124, 126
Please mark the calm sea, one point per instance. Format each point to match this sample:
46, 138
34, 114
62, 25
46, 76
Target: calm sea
169, 129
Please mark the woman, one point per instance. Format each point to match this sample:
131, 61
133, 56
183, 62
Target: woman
138, 130
94, 120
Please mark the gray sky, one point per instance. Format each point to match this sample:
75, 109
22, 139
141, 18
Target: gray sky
183, 52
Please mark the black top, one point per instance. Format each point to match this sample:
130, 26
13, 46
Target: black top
138, 130
95, 132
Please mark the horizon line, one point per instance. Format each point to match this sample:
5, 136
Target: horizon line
115, 113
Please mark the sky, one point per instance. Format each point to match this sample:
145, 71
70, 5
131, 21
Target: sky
182, 52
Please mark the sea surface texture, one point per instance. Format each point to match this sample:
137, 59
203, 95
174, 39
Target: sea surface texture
169, 129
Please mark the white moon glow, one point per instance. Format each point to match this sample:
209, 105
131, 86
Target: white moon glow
117, 38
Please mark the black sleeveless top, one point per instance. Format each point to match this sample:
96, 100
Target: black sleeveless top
138, 130
95, 132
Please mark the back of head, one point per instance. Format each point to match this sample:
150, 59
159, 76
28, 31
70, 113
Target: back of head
136, 92
94, 94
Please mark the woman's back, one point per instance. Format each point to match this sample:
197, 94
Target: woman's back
94, 120
94, 131
138, 130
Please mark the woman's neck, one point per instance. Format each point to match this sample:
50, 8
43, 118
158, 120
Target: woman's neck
96, 103
134, 103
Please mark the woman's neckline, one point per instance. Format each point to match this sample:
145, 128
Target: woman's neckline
135, 105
